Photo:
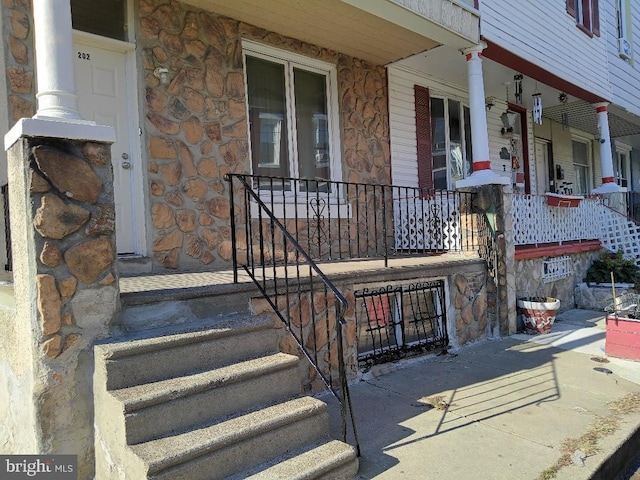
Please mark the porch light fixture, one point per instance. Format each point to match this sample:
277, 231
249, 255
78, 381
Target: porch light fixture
161, 74
489, 102
508, 119
509, 116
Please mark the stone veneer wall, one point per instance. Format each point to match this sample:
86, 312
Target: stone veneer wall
197, 128
18, 58
466, 318
529, 278
66, 295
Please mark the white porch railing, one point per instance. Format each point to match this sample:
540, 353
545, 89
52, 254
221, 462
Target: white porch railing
535, 223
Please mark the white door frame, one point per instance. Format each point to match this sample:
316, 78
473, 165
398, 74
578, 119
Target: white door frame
133, 128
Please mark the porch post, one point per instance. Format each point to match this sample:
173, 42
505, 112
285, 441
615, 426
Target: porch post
482, 173
54, 60
609, 184
65, 272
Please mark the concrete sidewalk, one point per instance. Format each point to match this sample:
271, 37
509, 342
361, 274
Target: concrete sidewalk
501, 409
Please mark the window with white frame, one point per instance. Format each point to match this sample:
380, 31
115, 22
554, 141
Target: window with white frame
581, 166
623, 23
586, 14
292, 117
621, 165
451, 141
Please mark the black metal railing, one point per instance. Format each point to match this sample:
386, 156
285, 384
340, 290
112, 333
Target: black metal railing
346, 220
633, 206
395, 321
311, 308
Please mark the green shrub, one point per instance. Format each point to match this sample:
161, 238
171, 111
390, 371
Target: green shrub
624, 271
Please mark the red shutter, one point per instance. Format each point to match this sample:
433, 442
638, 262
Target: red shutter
423, 137
571, 7
586, 15
595, 15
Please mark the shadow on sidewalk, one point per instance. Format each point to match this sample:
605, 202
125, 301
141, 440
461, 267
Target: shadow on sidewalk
493, 383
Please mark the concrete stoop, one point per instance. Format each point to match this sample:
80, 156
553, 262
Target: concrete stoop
217, 402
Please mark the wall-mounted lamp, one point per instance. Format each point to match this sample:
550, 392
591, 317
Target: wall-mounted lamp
489, 102
508, 120
161, 74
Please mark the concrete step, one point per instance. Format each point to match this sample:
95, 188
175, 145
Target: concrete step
137, 361
150, 307
225, 448
330, 460
157, 409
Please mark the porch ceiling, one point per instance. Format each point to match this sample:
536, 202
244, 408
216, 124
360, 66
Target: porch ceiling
582, 116
332, 24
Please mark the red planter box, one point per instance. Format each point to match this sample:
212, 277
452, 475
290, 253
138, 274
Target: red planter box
556, 200
623, 338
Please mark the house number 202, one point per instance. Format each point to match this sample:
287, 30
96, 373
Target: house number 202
84, 56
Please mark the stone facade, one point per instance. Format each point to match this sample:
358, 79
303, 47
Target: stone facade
465, 303
197, 128
66, 294
19, 59
529, 281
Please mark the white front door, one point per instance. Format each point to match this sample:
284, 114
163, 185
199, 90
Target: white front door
101, 85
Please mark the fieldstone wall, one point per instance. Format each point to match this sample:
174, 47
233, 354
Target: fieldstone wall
66, 290
494, 204
468, 292
466, 307
197, 128
19, 59
529, 282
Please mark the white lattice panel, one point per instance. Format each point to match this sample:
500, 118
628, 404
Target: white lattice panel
428, 224
556, 268
620, 233
535, 222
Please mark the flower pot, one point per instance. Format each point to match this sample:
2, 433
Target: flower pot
538, 313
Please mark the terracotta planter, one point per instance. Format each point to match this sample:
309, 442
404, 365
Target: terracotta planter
538, 313
623, 337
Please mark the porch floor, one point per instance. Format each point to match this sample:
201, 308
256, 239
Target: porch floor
199, 280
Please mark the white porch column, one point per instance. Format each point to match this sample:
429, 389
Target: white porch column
482, 173
54, 60
609, 184
57, 115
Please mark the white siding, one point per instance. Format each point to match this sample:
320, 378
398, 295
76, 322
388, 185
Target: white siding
624, 75
404, 164
541, 32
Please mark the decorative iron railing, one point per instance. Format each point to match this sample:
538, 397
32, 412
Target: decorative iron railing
346, 220
311, 308
399, 320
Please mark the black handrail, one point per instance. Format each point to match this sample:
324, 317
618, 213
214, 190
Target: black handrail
261, 279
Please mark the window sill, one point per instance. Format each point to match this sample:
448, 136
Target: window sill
585, 30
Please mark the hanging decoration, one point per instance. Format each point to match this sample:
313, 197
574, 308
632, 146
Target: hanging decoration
517, 79
537, 106
563, 98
